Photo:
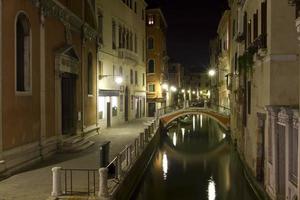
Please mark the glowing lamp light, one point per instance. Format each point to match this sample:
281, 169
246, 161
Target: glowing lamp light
183, 91
119, 80
212, 72
165, 86
194, 92
173, 89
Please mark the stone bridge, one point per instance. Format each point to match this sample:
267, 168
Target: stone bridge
222, 119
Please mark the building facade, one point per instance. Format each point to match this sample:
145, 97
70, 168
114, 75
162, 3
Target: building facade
121, 56
223, 64
265, 93
157, 60
48, 80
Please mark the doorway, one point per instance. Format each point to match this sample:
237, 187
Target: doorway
108, 116
260, 147
151, 109
280, 161
68, 103
126, 103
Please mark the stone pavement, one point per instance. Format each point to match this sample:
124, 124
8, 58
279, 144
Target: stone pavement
35, 184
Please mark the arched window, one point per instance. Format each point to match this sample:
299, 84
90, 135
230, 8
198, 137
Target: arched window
151, 66
150, 43
23, 72
90, 74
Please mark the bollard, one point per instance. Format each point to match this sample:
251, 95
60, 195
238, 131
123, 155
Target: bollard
152, 129
104, 154
146, 135
142, 140
56, 182
136, 147
103, 187
119, 166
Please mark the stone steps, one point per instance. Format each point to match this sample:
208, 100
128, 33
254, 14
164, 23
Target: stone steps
76, 144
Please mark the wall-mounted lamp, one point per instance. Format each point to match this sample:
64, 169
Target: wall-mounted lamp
118, 79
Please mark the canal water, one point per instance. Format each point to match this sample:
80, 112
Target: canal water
194, 161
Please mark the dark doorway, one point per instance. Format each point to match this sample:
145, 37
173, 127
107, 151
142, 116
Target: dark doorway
68, 99
151, 109
108, 115
126, 103
280, 161
260, 148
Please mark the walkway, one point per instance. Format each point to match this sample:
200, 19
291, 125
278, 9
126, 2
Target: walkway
36, 184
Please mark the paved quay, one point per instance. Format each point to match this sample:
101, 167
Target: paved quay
35, 184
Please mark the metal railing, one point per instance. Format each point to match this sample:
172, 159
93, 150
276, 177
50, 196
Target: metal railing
68, 177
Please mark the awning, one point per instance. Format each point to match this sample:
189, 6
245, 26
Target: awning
109, 93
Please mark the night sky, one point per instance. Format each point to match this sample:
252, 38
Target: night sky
191, 24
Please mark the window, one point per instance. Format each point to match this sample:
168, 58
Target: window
131, 76
23, 72
100, 22
249, 32
90, 74
136, 77
249, 96
233, 28
135, 43
143, 14
151, 66
151, 88
120, 37
114, 45
100, 68
293, 155
255, 25
143, 79
150, 43
143, 49
121, 71
121, 103
150, 20
135, 7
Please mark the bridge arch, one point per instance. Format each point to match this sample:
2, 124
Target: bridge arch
223, 120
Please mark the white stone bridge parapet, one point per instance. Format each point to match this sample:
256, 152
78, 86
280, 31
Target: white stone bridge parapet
222, 119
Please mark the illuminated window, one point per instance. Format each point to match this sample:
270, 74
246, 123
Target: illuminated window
150, 20
151, 88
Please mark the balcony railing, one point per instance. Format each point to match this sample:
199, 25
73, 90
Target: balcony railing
127, 54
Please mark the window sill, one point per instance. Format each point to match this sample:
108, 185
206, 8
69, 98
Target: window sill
23, 93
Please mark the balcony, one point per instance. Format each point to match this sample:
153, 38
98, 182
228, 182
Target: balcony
128, 55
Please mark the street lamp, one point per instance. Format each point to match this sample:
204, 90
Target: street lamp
165, 86
212, 72
173, 89
183, 91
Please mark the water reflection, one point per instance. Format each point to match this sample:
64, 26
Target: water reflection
211, 189
165, 165
197, 164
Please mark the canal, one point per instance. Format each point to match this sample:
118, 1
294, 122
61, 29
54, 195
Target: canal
195, 160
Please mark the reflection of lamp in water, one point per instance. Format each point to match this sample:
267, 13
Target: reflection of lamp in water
183, 133
194, 123
201, 120
211, 189
165, 166
174, 139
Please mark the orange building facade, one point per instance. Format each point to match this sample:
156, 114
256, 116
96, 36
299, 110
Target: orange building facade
157, 60
48, 74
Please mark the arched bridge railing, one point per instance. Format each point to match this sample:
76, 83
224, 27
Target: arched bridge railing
218, 113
